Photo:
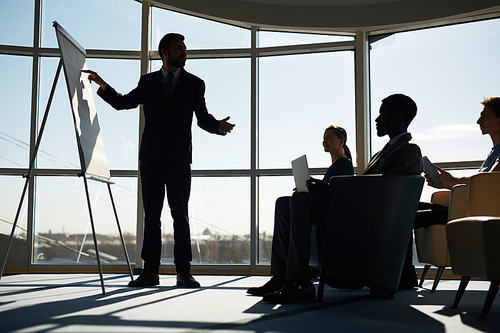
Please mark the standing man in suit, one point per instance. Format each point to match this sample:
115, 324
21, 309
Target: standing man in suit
399, 156
169, 97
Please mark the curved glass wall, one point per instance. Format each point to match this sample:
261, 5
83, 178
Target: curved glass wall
237, 178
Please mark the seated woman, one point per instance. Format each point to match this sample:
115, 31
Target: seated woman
291, 281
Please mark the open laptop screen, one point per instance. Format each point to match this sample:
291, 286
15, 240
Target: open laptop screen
300, 173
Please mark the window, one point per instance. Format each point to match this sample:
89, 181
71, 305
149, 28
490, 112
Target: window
16, 22
272, 38
299, 97
58, 148
447, 71
10, 195
219, 218
199, 33
15, 106
63, 232
95, 24
227, 94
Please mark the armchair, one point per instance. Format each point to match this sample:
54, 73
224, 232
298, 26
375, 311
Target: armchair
368, 228
474, 240
431, 243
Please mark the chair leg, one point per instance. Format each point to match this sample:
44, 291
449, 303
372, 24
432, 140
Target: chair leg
424, 275
321, 289
439, 274
460, 292
492, 292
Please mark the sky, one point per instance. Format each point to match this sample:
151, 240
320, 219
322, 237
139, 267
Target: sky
447, 71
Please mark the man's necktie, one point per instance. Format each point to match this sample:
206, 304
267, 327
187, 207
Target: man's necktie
168, 85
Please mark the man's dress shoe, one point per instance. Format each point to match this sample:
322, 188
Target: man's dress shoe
292, 292
145, 279
275, 284
187, 280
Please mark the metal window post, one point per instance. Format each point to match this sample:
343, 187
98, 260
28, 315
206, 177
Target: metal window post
145, 39
362, 82
254, 151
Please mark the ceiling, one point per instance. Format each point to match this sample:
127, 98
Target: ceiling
337, 16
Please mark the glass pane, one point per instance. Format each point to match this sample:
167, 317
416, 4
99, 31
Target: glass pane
200, 33
95, 24
270, 189
227, 94
294, 110
448, 71
10, 196
16, 18
271, 38
62, 224
15, 110
120, 130
58, 148
219, 222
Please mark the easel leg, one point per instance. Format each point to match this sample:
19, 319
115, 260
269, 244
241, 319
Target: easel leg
120, 231
94, 235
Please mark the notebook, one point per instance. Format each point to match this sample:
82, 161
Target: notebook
300, 173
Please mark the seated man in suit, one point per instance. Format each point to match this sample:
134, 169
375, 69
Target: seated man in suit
399, 156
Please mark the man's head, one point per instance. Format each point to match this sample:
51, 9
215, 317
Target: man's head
489, 121
396, 113
172, 51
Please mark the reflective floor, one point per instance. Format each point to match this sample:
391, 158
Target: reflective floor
75, 303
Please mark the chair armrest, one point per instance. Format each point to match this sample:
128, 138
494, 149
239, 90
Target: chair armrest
441, 198
458, 202
484, 194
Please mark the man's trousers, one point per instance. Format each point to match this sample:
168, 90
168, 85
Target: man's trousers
158, 174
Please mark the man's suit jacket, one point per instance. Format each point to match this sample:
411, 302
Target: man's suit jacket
402, 157
167, 122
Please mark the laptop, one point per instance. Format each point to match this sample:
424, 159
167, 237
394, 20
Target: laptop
300, 173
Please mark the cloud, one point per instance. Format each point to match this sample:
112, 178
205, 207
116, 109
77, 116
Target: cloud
446, 132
